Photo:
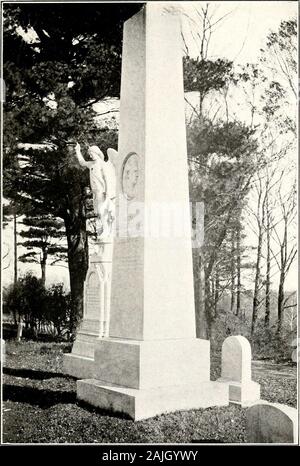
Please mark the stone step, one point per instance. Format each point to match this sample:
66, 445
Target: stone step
143, 404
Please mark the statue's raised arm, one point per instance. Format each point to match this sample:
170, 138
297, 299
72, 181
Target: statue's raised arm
80, 159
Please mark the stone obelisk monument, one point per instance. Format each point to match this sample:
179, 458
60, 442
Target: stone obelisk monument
152, 362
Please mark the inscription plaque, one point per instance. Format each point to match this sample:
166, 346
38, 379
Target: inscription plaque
130, 175
93, 295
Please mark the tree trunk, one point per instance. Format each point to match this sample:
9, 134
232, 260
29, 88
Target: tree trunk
268, 276
238, 270
217, 292
201, 99
213, 296
15, 250
201, 324
78, 263
280, 301
15, 317
208, 306
43, 267
256, 282
232, 272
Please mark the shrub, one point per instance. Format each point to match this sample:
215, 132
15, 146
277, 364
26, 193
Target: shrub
58, 312
266, 342
25, 301
226, 325
43, 311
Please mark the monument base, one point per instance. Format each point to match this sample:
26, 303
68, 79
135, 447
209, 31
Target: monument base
80, 363
94, 325
143, 404
244, 393
78, 366
145, 378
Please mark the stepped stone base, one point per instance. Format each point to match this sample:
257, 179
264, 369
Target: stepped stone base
244, 393
145, 364
145, 378
80, 362
143, 404
77, 366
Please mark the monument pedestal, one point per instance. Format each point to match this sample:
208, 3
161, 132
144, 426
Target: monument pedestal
95, 323
146, 378
80, 362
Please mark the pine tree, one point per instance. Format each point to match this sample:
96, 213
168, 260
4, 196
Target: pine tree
42, 241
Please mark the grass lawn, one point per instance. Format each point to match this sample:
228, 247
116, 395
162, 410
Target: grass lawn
40, 406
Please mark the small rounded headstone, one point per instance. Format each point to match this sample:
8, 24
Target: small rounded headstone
236, 359
271, 423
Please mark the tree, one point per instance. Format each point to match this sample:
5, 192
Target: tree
223, 161
220, 150
260, 215
72, 61
286, 241
239, 255
42, 241
268, 223
205, 76
279, 61
271, 99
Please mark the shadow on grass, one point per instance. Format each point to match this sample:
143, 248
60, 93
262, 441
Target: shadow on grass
206, 441
47, 398
33, 374
103, 412
37, 397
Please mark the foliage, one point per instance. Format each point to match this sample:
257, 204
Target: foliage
203, 75
279, 62
41, 240
222, 167
25, 300
43, 311
225, 325
57, 313
227, 156
70, 60
268, 343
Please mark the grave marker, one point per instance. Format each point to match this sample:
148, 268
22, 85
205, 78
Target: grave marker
271, 423
236, 371
151, 362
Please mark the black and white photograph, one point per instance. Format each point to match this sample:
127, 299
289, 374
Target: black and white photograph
149, 273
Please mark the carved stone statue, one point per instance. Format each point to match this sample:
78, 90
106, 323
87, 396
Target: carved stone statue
103, 186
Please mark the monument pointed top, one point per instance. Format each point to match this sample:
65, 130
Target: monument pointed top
165, 7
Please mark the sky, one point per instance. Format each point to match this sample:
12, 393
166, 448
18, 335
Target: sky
239, 37
241, 34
